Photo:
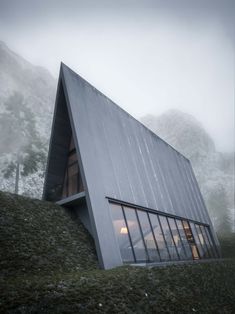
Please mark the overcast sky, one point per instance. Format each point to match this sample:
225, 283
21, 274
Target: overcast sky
147, 56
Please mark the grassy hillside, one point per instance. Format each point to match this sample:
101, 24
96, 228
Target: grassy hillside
48, 265
199, 288
39, 237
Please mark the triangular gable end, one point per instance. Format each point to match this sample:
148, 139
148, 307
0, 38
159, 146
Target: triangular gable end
63, 177
61, 156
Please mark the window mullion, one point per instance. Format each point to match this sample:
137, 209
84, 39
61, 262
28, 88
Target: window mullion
173, 238
203, 232
132, 248
182, 243
141, 232
155, 240
163, 235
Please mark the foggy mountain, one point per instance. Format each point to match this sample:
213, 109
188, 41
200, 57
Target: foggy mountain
35, 83
38, 88
214, 170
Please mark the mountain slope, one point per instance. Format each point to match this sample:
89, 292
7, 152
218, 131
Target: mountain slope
214, 170
35, 83
38, 88
182, 131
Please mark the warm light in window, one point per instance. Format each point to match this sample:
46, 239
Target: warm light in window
123, 230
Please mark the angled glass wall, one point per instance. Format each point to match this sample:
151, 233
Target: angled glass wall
184, 240
122, 234
136, 235
167, 233
144, 235
179, 239
151, 245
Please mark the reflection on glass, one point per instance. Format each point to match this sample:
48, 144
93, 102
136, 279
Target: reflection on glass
144, 236
168, 238
202, 241
177, 238
195, 235
159, 238
121, 232
148, 236
184, 240
191, 240
136, 237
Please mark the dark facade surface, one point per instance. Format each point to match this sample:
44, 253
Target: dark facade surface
119, 159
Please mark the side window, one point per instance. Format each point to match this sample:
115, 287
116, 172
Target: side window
122, 234
144, 236
148, 236
163, 250
135, 234
168, 238
72, 180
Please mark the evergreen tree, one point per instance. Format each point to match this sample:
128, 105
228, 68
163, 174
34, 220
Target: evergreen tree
20, 142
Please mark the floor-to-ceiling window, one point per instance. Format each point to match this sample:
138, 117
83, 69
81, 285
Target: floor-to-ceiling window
72, 180
191, 240
122, 234
160, 240
147, 236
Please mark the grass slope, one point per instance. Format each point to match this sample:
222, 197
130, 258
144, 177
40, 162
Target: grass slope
201, 288
38, 237
49, 265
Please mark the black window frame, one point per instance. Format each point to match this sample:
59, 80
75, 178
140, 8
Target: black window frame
158, 213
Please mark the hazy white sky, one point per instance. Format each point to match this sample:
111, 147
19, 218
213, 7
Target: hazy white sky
147, 56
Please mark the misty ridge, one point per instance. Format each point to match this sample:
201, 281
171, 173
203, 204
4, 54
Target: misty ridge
27, 94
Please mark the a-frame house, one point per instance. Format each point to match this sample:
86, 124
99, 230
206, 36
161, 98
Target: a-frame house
136, 195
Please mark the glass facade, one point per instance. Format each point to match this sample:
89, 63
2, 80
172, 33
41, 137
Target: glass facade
72, 180
122, 234
183, 238
137, 240
146, 236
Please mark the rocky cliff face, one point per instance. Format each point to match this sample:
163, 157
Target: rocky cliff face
214, 170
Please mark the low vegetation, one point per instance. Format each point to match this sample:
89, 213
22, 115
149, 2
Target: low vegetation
39, 237
48, 265
201, 288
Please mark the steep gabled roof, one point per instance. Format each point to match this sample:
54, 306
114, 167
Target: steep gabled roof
119, 158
